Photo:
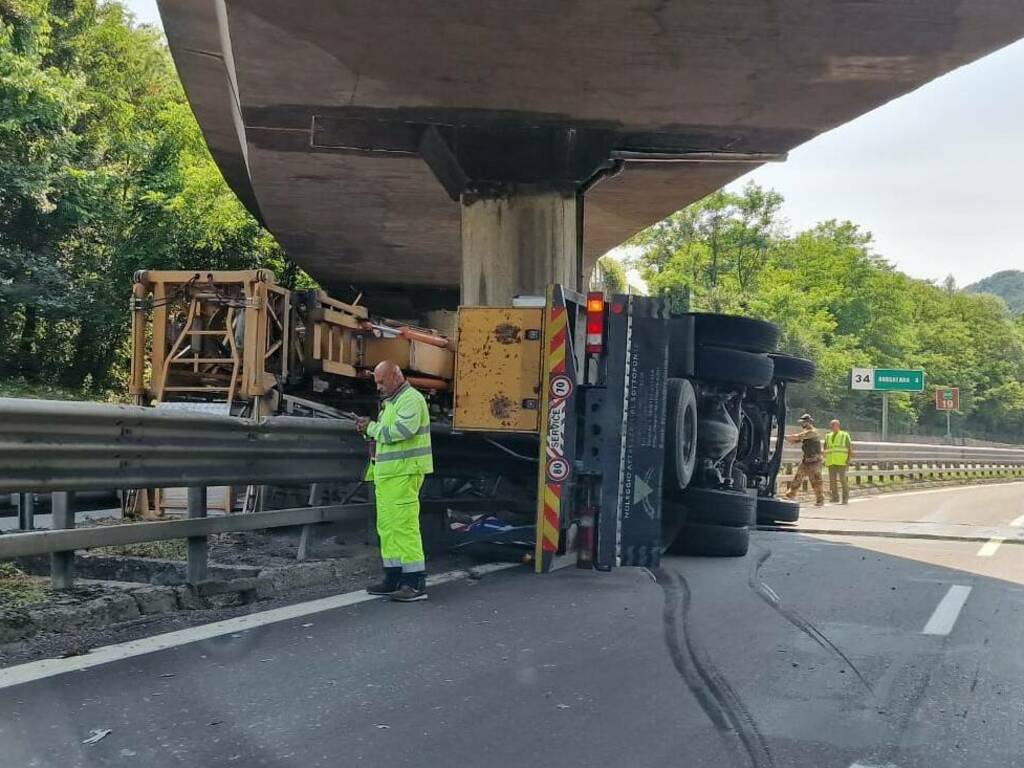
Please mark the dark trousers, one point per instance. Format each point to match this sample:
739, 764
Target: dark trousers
837, 476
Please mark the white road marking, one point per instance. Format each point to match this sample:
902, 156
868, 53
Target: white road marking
771, 592
37, 670
989, 547
859, 764
904, 494
947, 611
1019, 522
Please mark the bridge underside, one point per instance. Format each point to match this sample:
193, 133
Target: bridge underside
360, 132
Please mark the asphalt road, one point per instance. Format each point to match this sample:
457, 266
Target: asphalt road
816, 650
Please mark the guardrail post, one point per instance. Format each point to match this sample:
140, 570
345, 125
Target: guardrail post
26, 511
316, 494
62, 563
197, 545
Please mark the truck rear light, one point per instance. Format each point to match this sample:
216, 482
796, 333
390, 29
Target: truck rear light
595, 322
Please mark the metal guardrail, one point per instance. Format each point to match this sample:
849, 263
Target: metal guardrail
63, 447
885, 463
868, 474
866, 452
71, 446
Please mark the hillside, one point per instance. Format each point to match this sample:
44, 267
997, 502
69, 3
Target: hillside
1007, 285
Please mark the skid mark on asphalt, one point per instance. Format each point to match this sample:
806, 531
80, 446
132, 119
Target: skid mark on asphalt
794, 617
720, 702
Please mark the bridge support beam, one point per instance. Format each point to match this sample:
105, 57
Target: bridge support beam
518, 243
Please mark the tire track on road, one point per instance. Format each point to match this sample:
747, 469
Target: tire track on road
794, 617
720, 702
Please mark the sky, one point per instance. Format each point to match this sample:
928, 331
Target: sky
936, 175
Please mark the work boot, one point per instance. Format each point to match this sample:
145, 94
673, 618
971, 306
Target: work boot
413, 588
389, 585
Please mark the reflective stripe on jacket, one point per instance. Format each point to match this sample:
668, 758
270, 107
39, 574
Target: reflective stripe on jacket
402, 435
837, 449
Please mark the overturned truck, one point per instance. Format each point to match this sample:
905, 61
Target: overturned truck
604, 431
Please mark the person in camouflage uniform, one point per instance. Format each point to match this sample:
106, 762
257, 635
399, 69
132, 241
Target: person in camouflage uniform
810, 464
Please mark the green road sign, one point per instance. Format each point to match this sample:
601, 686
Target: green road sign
896, 380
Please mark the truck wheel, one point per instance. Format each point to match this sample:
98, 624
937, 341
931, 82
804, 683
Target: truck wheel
771, 510
734, 366
682, 433
680, 347
793, 369
735, 332
713, 506
711, 541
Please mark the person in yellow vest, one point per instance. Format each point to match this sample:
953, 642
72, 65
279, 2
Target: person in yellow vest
401, 461
838, 454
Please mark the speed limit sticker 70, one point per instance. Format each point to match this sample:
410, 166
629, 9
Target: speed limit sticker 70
560, 386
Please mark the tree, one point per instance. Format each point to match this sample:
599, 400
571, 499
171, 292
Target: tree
609, 276
842, 304
103, 171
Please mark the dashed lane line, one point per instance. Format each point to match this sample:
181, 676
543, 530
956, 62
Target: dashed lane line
946, 613
990, 547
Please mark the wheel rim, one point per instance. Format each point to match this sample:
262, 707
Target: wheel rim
689, 436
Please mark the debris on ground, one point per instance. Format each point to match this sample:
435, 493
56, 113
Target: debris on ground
97, 734
171, 549
18, 588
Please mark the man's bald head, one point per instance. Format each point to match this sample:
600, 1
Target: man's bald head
388, 377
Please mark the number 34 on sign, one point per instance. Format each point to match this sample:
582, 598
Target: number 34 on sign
863, 378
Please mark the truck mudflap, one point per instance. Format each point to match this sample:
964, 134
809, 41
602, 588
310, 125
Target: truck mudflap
557, 428
629, 524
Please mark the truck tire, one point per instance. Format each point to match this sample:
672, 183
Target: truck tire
793, 369
680, 347
713, 506
735, 332
711, 541
772, 510
681, 437
734, 366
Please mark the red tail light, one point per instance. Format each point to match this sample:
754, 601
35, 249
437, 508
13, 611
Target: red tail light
595, 322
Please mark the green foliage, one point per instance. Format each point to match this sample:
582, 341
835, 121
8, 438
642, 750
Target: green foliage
18, 588
843, 305
103, 171
609, 276
1007, 285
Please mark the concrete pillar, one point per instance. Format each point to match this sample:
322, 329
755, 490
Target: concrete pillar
518, 245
